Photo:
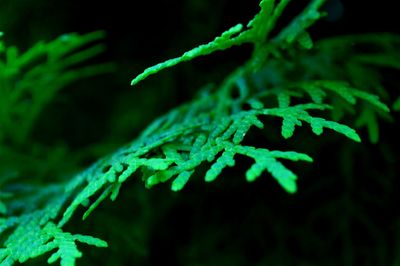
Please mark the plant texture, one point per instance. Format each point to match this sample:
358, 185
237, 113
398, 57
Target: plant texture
289, 82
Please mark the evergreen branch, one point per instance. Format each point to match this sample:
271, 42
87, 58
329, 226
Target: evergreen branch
208, 131
30, 80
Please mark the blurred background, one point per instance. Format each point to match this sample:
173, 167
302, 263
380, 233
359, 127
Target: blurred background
344, 212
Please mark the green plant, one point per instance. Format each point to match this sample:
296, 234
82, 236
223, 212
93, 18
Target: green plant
287, 77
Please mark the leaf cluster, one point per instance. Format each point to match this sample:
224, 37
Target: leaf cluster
287, 77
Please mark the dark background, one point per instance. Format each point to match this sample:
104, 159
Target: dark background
341, 216
142, 33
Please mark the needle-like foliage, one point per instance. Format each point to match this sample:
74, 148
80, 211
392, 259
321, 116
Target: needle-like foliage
30, 80
205, 133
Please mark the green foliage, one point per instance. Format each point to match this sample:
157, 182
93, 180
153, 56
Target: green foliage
396, 105
30, 80
38, 237
206, 134
256, 33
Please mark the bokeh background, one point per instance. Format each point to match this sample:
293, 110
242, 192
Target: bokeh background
344, 212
